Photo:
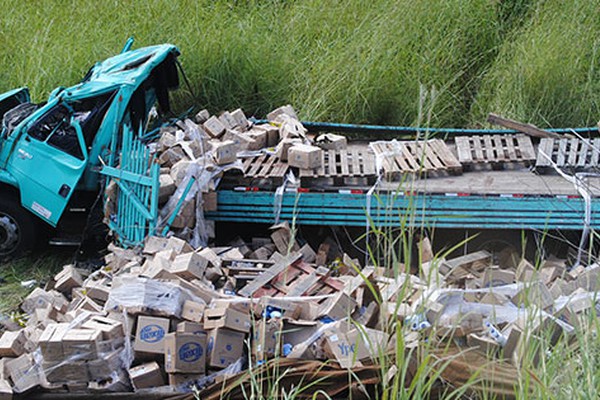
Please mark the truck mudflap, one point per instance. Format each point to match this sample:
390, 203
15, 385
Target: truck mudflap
131, 203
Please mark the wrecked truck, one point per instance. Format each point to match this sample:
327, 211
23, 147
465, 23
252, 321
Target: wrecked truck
51, 153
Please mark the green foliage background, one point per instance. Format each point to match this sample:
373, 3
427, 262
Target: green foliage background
347, 61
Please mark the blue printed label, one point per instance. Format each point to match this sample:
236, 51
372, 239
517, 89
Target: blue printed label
152, 334
190, 352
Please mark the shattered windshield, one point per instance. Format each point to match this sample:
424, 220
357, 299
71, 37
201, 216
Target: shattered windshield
15, 116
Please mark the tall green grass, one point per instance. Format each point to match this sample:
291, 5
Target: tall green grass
350, 61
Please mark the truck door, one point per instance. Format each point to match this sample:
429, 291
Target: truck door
48, 162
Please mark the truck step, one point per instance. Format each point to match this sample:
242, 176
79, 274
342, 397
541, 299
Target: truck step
65, 241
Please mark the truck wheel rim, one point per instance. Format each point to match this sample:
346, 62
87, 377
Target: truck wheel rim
9, 234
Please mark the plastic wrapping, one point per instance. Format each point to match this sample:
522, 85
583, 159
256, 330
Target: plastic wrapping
290, 180
136, 294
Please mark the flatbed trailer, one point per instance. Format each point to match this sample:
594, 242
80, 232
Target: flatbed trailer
513, 198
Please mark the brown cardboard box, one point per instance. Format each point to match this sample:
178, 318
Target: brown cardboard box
189, 266
68, 279
260, 138
24, 373
186, 380
305, 157
12, 343
50, 341
227, 318
146, 376
6, 392
185, 352
240, 118
284, 147
81, 344
266, 339
192, 311
111, 329
190, 327
210, 202
97, 290
225, 152
337, 307
214, 127
150, 334
72, 371
105, 366
224, 347
272, 134
330, 141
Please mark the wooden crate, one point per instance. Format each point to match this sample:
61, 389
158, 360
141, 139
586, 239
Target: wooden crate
343, 167
495, 150
401, 157
568, 154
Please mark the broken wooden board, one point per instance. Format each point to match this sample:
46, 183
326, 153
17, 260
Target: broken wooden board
401, 157
461, 267
268, 275
495, 150
528, 129
572, 155
347, 167
325, 379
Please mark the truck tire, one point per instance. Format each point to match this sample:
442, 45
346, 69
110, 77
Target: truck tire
18, 234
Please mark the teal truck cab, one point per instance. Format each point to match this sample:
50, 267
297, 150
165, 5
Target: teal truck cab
51, 153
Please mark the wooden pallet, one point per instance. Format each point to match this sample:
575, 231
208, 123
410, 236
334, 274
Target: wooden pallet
568, 154
415, 156
265, 170
495, 150
343, 167
292, 277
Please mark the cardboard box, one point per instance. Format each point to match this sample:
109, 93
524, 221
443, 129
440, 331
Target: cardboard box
266, 339
272, 133
192, 311
240, 118
305, 157
73, 371
224, 347
330, 141
51, 341
227, 318
12, 344
150, 334
146, 376
24, 373
225, 152
189, 266
104, 367
82, 344
190, 327
209, 201
186, 381
214, 127
185, 352
260, 138
68, 279
284, 147
110, 329
337, 307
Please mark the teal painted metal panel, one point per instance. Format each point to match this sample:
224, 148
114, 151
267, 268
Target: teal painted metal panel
392, 209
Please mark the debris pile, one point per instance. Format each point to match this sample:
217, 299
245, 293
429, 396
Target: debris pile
194, 153
171, 317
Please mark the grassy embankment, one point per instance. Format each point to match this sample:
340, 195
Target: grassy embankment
349, 61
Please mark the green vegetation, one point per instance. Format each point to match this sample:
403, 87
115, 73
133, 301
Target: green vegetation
347, 61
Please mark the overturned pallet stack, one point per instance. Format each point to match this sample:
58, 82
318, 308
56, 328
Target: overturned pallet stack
568, 154
343, 167
400, 157
497, 151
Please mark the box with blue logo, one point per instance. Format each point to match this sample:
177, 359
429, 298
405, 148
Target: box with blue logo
185, 352
150, 334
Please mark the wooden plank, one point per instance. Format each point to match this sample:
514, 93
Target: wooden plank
368, 163
355, 158
463, 148
499, 148
562, 152
434, 161
595, 153
528, 129
269, 274
573, 146
510, 147
526, 147
443, 152
584, 150
489, 148
344, 162
546, 147
304, 284
409, 159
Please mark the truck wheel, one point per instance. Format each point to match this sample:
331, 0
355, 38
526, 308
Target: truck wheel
17, 230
